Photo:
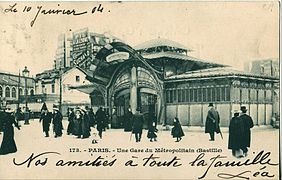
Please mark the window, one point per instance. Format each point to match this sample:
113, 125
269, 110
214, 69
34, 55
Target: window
183, 95
187, 95
205, 95
179, 95
223, 94
7, 92
209, 94
1, 91
213, 94
77, 79
195, 95
53, 88
200, 95
21, 91
191, 95
14, 94
227, 94
218, 94
32, 92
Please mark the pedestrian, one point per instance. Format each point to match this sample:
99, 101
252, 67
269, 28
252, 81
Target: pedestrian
45, 117
77, 121
19, 114
91, 116
137, 125
57, 122
85, 125
100, 119
152, 130
70, 120
128, 121
177, 131
26, 116
8, 144
248, 124
236, 131
212, 122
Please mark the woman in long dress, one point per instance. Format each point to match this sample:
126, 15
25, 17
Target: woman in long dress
8, 144
177, 131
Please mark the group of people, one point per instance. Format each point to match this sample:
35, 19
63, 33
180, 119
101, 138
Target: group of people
240, 133
80, 121
239, 129
137, 126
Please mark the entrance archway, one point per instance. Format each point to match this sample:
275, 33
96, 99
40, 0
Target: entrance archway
147, 96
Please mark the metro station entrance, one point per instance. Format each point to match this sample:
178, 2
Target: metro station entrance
147, 102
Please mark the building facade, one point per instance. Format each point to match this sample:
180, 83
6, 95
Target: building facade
51, 83
159, 76
15, 88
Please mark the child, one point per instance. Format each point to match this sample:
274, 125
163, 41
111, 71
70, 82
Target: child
152, 131
177, 131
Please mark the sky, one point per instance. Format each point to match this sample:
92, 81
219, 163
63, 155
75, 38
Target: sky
230, 33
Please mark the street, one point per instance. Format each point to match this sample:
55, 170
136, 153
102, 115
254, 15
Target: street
117, 155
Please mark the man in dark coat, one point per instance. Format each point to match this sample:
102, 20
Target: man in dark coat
128, 121
236, 131
8, 144
46, 117
91, 116
100, 119
85, 124
57, 122
70, 119
212, 122
137, 125
248, 124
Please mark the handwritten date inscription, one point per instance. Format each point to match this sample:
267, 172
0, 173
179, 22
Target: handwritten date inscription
40, 10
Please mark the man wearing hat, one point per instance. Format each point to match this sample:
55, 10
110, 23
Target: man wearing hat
248, 124
212, 122
57, 121
137, 125
45, 117
236, 131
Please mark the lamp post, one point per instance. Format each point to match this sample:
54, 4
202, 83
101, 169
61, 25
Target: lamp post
25, 74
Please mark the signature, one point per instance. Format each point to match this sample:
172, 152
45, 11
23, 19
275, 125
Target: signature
262, 158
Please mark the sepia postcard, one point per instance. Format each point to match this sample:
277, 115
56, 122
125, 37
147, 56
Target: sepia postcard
140, 90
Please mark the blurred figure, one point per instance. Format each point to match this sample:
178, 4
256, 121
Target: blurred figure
236, 132
100, 118
177, 131
57, 122
8, 144
128, 121
70, 119
77, 121
26, 116
85, 125
152, 130
91, 116
46, 117
19, 114
137, 125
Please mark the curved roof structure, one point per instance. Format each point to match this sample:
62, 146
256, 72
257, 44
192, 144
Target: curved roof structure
160, 42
